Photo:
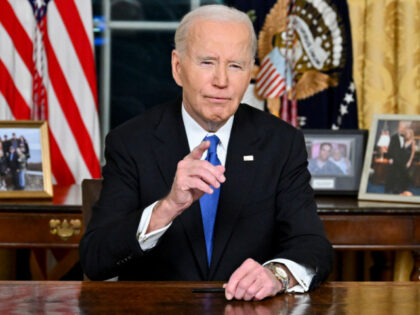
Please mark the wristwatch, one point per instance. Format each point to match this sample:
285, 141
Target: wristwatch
278, 271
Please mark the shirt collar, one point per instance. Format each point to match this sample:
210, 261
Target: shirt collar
196, 134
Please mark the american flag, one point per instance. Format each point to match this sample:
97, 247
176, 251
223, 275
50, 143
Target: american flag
272, 76
47, 71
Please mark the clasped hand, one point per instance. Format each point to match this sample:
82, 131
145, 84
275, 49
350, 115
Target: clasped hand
251, 281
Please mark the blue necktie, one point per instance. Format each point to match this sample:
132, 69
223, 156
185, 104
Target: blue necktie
208, 202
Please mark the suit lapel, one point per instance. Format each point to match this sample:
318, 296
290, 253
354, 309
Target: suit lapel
240, 173
171, 143
172, 146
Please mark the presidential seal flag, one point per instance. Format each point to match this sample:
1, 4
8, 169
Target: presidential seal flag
313, 39
47, 72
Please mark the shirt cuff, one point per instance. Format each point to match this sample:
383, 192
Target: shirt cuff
149, 240
302, 274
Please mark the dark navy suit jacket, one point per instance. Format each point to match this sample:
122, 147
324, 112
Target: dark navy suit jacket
266, 207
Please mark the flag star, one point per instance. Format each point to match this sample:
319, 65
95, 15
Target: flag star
348, 98
334, 127
352, 87
343, 109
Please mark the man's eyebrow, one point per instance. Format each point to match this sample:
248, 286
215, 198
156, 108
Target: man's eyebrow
207, 58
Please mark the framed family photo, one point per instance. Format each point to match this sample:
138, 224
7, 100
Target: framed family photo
25, 166
335, 159
391, 170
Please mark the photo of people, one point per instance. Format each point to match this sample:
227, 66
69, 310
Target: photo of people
395, 161
20, 159
329, 157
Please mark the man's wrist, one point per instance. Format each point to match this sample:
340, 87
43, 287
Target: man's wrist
280, 273
161, 216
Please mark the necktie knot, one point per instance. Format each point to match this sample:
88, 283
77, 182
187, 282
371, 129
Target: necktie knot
214, 141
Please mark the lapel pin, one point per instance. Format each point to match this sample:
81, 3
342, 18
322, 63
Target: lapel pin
248, 158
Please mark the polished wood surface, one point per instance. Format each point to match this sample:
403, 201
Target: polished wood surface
353, 224
178, 298
27, 224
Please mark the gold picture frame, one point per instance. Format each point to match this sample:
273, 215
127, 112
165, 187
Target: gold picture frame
391, 170
25, 163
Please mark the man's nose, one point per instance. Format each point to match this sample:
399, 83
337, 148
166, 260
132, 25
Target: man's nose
220, 78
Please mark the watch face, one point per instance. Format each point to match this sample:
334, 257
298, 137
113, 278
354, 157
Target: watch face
281, 272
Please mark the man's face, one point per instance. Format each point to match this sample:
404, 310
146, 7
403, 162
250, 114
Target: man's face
402, 127
336, 154
324, 153
214, 71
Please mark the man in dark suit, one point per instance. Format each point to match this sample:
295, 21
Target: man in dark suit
6, 145
397, 175
245, 214
13, 166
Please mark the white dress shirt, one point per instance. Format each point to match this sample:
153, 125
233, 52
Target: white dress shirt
195, 135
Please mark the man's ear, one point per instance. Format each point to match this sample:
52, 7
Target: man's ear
176, 67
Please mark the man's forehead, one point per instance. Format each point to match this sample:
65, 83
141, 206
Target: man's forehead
203, 40
202, 29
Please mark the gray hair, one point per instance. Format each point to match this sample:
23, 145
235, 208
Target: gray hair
214, 12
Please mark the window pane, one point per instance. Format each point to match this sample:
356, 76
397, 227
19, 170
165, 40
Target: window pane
149, 10
140, 72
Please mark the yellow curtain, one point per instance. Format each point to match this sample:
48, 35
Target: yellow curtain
386, 53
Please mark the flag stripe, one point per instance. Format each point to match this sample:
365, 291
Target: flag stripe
20, 38
270, 83
15, 66
17, 104
264, 72
275, 86
265, 61
5, 113
73, 73
50, 62
266, 80
73, 22
65, 138
70, 110
277, 92
60, 166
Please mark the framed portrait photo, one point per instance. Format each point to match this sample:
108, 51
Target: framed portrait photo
335, 159
25, 166
391, 171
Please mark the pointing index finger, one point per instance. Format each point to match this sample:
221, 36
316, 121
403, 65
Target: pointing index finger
198, 151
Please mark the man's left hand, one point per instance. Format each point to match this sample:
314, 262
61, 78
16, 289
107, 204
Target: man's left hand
251, 281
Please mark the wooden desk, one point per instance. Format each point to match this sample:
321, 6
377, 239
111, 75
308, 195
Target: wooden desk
26, 224
178, 298
349, 224
365, 225
353, 224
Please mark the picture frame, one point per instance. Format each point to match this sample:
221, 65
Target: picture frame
388, 174
335, 160
25, 163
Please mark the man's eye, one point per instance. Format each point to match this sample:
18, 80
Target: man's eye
235, 66
206, 63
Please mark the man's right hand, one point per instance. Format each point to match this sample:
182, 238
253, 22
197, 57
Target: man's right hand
193, 178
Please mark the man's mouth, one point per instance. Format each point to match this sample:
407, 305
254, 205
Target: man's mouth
218, 99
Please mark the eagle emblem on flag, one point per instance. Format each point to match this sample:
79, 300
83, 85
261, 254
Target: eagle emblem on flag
307, 37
